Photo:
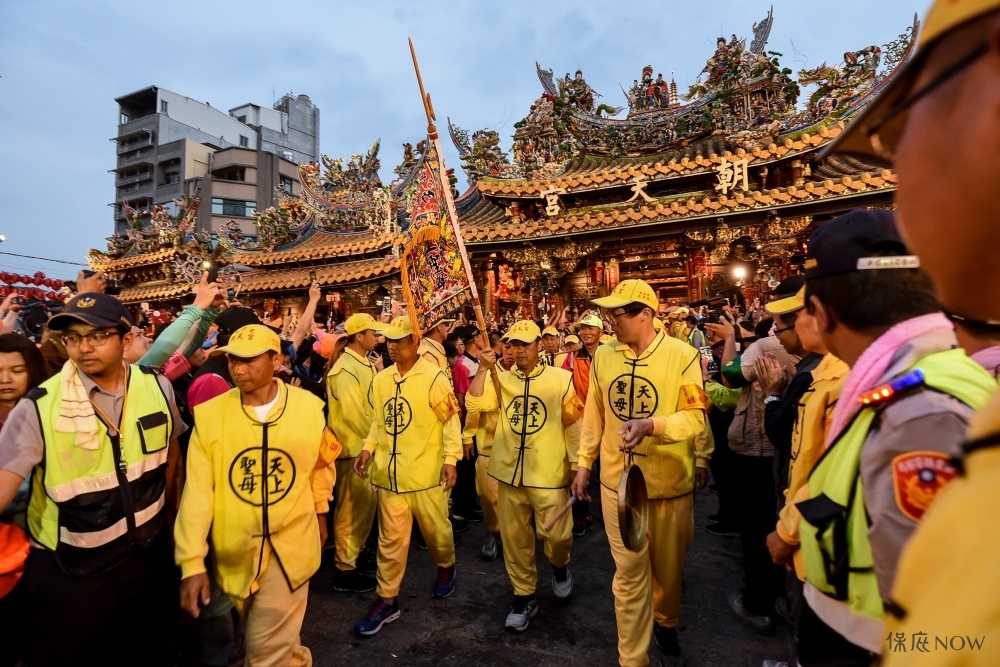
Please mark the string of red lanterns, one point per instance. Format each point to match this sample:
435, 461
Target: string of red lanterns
39, 279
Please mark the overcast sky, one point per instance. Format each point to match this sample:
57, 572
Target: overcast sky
63, 63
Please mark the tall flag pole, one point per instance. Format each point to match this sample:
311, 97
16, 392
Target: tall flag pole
412, 263
452, 213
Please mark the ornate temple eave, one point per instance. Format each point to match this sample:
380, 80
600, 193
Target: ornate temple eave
635, 220
626, 172
111, 265
345, 273
318, 246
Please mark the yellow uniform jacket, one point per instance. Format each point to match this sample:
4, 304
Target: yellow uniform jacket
530, 447
416, 429
433, 351
665, 385
250, 481
349, 414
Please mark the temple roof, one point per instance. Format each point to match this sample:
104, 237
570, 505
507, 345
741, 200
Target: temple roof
316, 245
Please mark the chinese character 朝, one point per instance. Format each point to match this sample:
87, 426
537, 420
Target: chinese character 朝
732, 175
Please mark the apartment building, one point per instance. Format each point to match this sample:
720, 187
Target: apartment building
170, 145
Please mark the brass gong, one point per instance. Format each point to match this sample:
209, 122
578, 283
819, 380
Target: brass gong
633, 514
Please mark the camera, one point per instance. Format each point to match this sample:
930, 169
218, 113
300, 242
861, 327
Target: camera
111, 287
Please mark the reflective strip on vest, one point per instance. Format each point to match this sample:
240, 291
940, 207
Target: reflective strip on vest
855, 628
99, 538
107, 481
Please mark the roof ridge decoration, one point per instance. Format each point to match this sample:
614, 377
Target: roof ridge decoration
165, 230
743, 97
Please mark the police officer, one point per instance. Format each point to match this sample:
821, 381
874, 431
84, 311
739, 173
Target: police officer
901, 414
646, 396
936, 121
532, 461
100, 439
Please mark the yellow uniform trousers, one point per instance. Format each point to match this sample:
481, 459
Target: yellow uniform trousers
352, 516
517, 505
647, 583
486, 487
396, 512
273, 617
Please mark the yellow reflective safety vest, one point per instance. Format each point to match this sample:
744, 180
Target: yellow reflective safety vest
251, 484
91, 506
530, 447
416, 428
349, 414
834, 531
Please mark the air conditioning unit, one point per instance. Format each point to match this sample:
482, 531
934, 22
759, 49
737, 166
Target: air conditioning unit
288, 155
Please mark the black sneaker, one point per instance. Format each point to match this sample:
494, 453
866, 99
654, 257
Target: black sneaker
581, 526
666, 641
762, 625
353, 581
723, 529
367, 562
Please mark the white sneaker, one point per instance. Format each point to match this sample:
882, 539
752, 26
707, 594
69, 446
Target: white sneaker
520, 614
563, 589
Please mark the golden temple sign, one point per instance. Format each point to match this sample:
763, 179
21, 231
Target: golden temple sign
732, 175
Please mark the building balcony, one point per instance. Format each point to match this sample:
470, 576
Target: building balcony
122, 181
143, 189
135, 128
142, 141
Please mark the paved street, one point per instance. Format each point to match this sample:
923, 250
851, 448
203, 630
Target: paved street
467, 629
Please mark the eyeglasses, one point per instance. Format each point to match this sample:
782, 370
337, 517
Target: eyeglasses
784, 329
94, 338
885, 146
612, 317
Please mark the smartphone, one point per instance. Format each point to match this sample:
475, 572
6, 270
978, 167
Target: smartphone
230, 293
312, 277
706, 353
213, 270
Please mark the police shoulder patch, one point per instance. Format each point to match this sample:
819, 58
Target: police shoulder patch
37, 393
917, 479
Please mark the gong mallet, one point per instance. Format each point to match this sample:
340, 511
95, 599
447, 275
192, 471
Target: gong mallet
562, 510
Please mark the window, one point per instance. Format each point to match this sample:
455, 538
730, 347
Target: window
286, 184
163, 106
242, 119
233, 207
244, 141
171, 176
122, 119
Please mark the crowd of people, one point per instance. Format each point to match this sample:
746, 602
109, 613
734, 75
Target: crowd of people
849, 420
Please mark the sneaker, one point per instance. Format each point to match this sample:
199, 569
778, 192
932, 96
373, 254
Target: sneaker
352, 581
521, 612
723, 530
445, 584
367, 562
380, 614
581, 526
562, 582
490, 547
459, 525
775, 663
666, 641
762, 625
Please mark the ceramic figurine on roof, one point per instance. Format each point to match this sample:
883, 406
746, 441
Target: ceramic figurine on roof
839, 84
163, 231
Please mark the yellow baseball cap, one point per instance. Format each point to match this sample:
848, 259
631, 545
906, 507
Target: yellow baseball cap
629, 291
525, 331
571, 339
787, 305
943, 17
359, 322
401, 327
251, 341
591, 320
550, 331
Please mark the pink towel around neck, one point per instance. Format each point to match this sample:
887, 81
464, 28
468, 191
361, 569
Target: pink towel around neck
873, 363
